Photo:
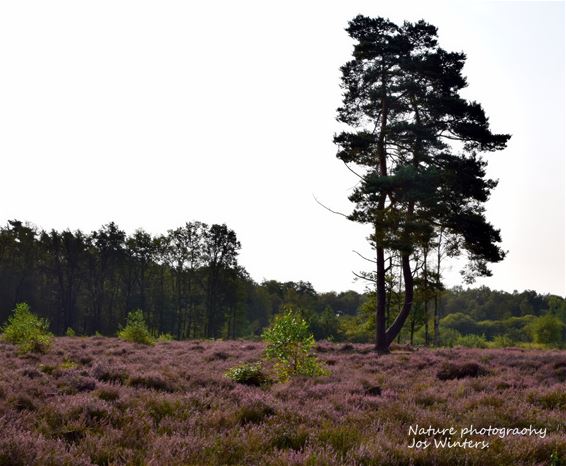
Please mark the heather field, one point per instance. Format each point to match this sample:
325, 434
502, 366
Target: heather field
103, 401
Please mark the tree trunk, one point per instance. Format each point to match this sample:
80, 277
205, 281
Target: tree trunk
425, 289
412, 336
436, 329
437, 292
381, 345
397, 324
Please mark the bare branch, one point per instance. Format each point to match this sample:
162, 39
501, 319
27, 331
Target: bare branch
328, 208
363, 257
417, 268
357, 174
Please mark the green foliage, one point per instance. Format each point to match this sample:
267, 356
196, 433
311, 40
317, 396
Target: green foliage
248, 374
136, 330
28, 331
472, 341
547, 329
355, 330
461, 322
361, 328
289, 343
555, 458
67, 365
501, 341
326, 325
164, 337
449, 336
70, 332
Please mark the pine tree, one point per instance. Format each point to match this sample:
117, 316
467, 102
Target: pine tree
418, 144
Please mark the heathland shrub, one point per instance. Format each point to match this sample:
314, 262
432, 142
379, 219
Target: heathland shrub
501, 341
449, 336
136, 330
472, 341
547, 330
28, 331
164, 337
452, 371
289, 343
248, 374
70, 332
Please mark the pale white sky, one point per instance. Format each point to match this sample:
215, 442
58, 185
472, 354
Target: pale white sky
152, 114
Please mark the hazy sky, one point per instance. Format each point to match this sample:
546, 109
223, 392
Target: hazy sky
152, 114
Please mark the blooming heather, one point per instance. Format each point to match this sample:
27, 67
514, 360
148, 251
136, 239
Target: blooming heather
104, 401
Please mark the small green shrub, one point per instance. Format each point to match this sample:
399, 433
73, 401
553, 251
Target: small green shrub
67, 365
289, 343
164, 337
472, 341
501, 341
28, 331
248, 374
70, 332
136, 330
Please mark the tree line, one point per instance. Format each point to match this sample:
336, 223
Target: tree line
188, 282
471, 317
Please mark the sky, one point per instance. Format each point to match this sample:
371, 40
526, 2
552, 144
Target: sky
152, 114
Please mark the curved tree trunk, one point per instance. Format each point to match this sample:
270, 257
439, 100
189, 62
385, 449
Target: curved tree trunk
397, 324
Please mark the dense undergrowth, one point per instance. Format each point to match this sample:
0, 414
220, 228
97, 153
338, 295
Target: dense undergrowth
104, 401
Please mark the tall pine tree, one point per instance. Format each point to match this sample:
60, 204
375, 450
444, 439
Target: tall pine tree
418, 143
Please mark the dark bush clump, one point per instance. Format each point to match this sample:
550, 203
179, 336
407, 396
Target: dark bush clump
109, 374
347, 348
288, 438
254, 413
373, 391
108, 394
72, 384
554, 399
152, 382
218, 355
460, 371
32, 373
23, 402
